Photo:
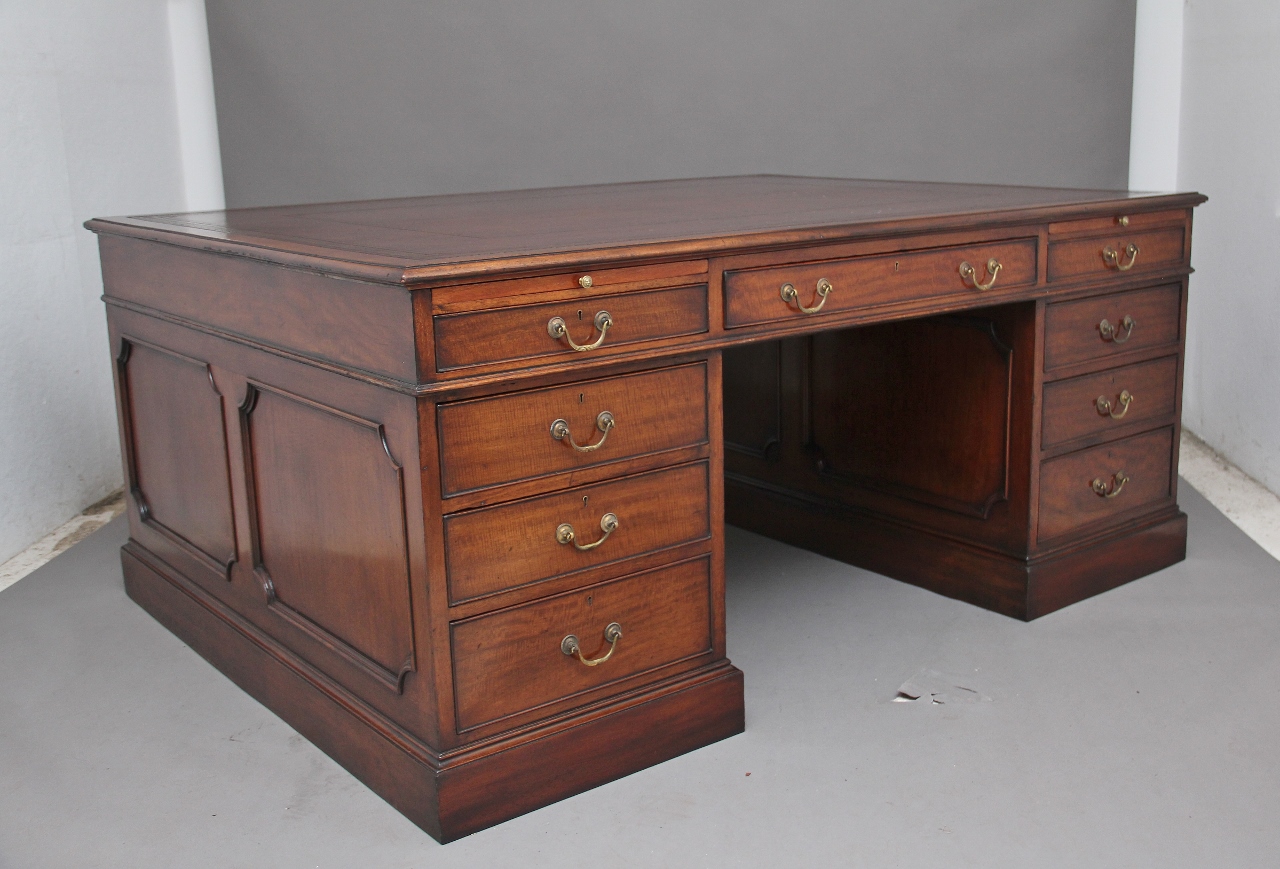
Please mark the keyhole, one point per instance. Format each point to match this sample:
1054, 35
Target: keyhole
580, 397
895, 266
579, 315
584, 500
588, 600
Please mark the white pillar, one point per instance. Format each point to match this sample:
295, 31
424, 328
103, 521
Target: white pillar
197, 115
1157, 96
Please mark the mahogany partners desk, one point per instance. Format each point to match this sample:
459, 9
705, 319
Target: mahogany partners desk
442, 481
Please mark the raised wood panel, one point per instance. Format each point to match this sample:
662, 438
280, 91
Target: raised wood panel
490, 441
920, 410
511, 661
498, 548
753, 399
329, 528
176, 453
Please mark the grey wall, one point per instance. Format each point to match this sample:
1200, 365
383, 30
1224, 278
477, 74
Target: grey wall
328, 99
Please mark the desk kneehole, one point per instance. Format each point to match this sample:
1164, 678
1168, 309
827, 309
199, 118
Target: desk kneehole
814, 289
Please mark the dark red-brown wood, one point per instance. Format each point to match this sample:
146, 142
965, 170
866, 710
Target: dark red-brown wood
337, 427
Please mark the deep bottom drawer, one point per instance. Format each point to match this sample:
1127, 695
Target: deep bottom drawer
513, 660
1104, 481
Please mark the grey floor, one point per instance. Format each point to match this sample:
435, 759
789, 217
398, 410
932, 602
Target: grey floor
1139, 728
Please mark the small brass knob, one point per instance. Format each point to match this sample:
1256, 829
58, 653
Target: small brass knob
585, 282
1123, 220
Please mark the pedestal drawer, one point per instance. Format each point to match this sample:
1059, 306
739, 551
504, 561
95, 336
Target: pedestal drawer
498, 548
1098, 403
490, 441
1103, 326
1104, 481
756, 295
523, 332
1117, 253
514, 660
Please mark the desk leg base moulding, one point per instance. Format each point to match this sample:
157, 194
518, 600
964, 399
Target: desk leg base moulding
1017, 587
448, 797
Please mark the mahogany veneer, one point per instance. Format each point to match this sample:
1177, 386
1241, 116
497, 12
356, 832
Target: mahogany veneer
372, 483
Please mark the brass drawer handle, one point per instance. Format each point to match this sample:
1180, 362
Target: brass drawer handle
570, 646
604, 421
970, 274
1118, 479
1112, 334
789, 295
557, 328
1104, 405
565, 534
1112, 258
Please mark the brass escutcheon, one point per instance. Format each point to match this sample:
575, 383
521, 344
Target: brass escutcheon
1105, 407
1112, 258
565, 534
604, 422
571, 647
970, 274
1112, 334
557, 328
789, 295
1118, 479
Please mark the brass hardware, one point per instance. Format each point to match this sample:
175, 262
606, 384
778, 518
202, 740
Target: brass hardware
1118, 479
1104, 405
585, 282
557, 329
570, 646
789, 294
565, 533
1112, 334
604, 421
1123, 220
970, 274
1111, 258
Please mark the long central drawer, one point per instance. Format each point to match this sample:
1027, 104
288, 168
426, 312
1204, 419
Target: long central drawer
491, 441
756, 295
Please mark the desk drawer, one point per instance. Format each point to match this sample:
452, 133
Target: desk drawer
491, 441
522, 332
1103, 326
1098, 403
498, 548
1116, 254
755, 295
1099, 483
513, 661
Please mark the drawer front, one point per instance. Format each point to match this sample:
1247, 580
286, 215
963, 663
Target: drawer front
1105, 326
1095, 484
521, 332
755, 295
491, 441
1097, 403
498, 548
1111, 255
512, 660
